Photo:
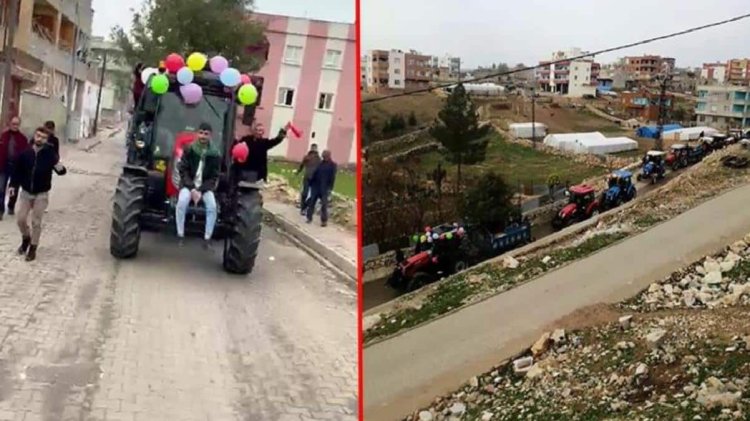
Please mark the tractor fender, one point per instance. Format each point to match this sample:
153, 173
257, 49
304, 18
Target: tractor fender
249, 185
135, 170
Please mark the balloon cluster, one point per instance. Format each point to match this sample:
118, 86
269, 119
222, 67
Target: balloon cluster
429, 236
184, 72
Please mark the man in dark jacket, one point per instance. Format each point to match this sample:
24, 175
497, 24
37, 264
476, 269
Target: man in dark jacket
32, 180
258, 147
322, 184
309, 163
52, 139
12, 144
199, 170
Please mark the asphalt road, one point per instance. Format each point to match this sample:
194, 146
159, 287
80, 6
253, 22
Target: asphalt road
406, 372
168, 335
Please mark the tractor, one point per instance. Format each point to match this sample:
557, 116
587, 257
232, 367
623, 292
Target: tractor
146, 193
582, 205
653, 167
620, 189
440, 257
685, 154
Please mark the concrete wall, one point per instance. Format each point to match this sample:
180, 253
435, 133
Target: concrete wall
35, 110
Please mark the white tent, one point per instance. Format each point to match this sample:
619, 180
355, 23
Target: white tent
524, 130
592, 143
689, 133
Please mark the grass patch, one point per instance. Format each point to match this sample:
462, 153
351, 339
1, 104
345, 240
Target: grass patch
458, 290
346, 181
518, 164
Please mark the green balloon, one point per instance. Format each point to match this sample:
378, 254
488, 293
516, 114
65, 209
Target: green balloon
160, 84
423, 238
415, 238
449, 235
247, 94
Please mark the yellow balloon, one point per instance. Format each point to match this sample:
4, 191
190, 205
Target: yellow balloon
197, 62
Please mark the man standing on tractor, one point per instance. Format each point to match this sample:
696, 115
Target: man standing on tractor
258, 147
12, 144
322, 184
32, 181
199, 170
309, 164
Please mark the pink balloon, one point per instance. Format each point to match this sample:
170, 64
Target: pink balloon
191, 93
245, 79
218, 64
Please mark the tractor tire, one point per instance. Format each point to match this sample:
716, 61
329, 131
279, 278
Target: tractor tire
125, 234
241, 244
460, 266
418, 281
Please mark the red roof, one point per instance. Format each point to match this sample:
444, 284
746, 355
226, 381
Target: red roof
581, 189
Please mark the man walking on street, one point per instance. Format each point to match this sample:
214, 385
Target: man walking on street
32, 180
322, 184
199, 170
12, 144
258, 147
309, 164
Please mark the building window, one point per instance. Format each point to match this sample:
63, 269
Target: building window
575, 77
293, 54
333, 59
325, 101
397, 71
286, 97
397, 60
397, 82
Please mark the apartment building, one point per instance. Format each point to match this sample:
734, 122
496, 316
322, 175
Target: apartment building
418, 70
723, 106
309, 80
646, 67
568, 75
643, 104
714, 72
50, 43
738, 71
446, 68
387, 70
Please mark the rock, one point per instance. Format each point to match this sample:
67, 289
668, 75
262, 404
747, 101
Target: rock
510, 262
487, 416
733, 257
712, 278
558, 336
522, 365
688, 297
700, 270
541, 345
704, 297
625, 321
641, 370
712, 400
738, 247
654, 288
711, 266
668, 289
534, 372
425, 416
474, 382
458, 408
655, 338
546, 259
727, 266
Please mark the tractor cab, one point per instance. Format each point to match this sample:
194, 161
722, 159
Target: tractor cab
582, 204
621, 189
653, 167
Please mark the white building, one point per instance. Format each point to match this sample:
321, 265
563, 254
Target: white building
567, 74
396, 69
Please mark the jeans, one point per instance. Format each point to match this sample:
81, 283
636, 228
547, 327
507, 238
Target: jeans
209, 202
305, 193
33, 205
318, 194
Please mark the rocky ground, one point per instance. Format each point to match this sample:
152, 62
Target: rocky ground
680, 350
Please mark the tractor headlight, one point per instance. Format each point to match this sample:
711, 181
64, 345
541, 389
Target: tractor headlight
160, 165
140, 144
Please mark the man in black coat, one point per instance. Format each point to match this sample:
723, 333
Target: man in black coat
258, 147
321, 184
32, 181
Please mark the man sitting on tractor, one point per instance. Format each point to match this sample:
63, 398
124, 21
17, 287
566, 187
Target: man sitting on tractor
199, 170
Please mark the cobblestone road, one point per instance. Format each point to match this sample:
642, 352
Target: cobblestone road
167, 336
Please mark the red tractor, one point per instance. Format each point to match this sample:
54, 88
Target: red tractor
583, 205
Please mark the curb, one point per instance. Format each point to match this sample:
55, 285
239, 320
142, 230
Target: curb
340, 263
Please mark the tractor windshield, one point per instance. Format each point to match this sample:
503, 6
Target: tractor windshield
174, 116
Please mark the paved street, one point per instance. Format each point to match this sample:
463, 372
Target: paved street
406, 372
168, 336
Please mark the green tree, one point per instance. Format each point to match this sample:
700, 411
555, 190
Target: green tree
458, 130
489, 203
211, 27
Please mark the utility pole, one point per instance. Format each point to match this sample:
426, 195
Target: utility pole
533, 115
8, 59
663, 84
99, 95
72, 79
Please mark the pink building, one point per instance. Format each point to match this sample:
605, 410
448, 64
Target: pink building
310, 80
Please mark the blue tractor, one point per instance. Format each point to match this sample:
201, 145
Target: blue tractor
620, 190
653, 167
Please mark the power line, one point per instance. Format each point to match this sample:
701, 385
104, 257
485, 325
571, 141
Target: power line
588, 55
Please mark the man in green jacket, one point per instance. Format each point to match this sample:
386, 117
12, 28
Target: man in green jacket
199, 170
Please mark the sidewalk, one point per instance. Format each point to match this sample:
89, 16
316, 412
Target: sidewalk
334, 243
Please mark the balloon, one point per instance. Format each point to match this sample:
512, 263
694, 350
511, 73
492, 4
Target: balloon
427, 229
240, 152
218, 64
197, 61
185, 76
245, 79
415, 238
230, 77
147, 73
429, 239
191, 93
435, 236
160, 84
460, 231
449, 235
247, 94
423, 238
174, 62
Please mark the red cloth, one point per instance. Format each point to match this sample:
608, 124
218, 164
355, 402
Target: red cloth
20, 144
182, 140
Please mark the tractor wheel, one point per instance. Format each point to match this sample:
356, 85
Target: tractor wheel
241, 244
459, 266
125, 234
418, 281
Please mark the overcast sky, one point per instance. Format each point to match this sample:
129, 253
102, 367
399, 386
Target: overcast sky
525, 31
108, 13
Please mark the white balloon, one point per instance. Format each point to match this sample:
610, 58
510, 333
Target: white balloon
147, 73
